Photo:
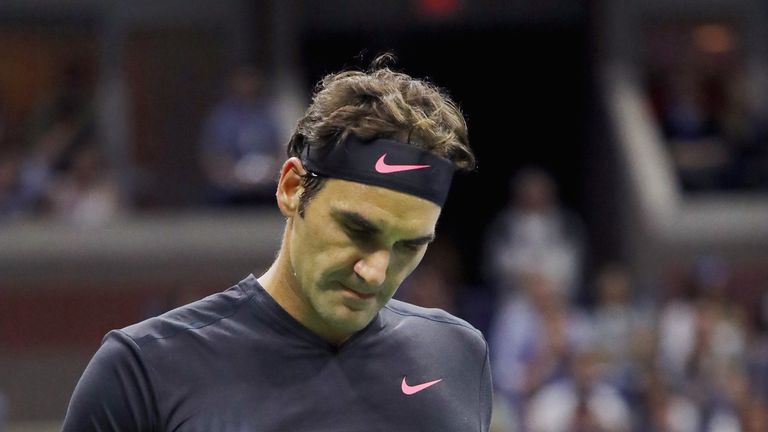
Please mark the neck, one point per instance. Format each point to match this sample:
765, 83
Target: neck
279, 280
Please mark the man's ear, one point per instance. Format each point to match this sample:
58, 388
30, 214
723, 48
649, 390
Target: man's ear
289, 188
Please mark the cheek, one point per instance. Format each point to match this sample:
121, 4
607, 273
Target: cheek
303, 256
321, 254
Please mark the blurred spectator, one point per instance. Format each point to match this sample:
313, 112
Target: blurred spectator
534, 234
532, 339
58, 127
701, 329
45, 158
667, 410
691, 125
614, 314
623, 331
240, 145
707, 107
727, 399
582, 401
86, 193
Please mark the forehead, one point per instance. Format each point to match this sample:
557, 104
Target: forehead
384, 207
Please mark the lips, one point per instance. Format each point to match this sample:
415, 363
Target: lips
357, 294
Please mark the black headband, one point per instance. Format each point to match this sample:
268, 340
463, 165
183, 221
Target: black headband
383, 162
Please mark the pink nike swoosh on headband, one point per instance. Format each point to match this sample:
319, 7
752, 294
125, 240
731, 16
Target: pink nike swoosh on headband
409, 390
384, 168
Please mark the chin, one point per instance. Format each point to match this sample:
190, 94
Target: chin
349, 321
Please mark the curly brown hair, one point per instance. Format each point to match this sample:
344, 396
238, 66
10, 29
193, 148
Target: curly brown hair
381, 103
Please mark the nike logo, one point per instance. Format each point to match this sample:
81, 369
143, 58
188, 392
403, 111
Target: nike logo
409, 390
385, 168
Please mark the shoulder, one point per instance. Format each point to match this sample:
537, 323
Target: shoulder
203, 315
432, 323
438, 316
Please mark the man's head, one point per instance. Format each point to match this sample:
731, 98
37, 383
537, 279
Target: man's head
352, 238
381, 103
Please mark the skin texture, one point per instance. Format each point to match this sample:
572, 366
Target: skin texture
340, 263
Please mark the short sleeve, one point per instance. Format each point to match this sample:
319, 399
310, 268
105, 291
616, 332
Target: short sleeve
114, 393
486, 394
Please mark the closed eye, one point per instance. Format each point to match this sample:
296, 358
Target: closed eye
359, 234
411, 246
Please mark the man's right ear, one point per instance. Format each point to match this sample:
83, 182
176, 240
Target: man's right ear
289, 187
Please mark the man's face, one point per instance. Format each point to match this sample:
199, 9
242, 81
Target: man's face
352, 249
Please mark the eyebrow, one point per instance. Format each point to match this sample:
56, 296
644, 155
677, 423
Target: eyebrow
361, 222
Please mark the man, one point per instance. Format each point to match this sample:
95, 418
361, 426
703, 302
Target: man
239, 147
316, 343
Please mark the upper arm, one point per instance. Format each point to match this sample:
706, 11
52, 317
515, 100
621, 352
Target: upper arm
486, 393
114, 393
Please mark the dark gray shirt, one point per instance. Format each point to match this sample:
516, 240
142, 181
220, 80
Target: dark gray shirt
236, 361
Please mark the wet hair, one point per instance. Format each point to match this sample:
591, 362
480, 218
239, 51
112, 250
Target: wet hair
380, 103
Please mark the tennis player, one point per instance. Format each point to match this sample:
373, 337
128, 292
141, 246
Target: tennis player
317, 343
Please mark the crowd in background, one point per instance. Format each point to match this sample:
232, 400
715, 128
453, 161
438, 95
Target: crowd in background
712, 116
55, 164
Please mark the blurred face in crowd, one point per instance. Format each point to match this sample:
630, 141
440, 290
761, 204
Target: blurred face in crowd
534, 191
246, 83
351, 250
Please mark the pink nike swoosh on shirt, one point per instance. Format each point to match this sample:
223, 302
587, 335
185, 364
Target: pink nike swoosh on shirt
385, 168
409, 390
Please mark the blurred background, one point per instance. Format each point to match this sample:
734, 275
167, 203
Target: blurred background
612, 245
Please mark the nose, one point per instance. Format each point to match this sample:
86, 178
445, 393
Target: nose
373, 267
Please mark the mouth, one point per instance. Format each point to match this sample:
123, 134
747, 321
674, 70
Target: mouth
349, 292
